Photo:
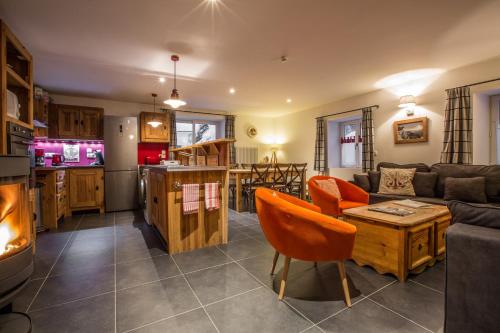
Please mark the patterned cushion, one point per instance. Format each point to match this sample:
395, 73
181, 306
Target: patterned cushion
396, 181
330, 186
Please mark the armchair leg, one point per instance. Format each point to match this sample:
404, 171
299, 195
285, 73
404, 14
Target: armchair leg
275, 260
283, 278
345, 286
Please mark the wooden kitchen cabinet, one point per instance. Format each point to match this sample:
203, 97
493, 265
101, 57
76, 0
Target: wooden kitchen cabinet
157, 197
160, 134
54, 195
86, 189
75, 122
41, 114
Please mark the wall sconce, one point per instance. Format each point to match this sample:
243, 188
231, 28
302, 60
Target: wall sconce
408, 103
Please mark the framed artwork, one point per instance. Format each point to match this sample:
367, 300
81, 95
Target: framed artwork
71, 152
410, 130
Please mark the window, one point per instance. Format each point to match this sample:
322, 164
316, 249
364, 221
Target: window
191, 132
350, 137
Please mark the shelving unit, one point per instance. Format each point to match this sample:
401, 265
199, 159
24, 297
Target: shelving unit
16, 68
210, 153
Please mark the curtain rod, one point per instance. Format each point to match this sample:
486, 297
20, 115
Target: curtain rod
209, 113
358, 109
478, 83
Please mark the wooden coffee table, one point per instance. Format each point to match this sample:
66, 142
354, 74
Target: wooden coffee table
399, 245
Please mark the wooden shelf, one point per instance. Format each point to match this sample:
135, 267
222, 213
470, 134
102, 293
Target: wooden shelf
14, 79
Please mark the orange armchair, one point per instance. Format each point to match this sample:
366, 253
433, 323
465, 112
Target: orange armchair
297, 229
352, 196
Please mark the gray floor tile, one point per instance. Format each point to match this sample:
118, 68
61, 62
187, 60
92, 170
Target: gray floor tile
433, 277
72, 263
74, 286
90, 315
367, 317
245, 248
133, 273
256, 311
313, 329
420, 304
260, 267
95, 233
195, 321
317, 291
42, 266
128, 249
151, 302
236, 233
199, 259
24, 298
216, 283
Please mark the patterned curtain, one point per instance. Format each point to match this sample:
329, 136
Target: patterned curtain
173, 132
229, 130
457, 144
320, 147
368, 135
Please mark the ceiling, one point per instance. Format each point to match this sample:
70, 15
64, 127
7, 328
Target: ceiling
117, 49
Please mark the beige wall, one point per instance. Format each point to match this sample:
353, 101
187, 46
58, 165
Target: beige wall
298, 130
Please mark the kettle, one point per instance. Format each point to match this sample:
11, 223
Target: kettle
57, 159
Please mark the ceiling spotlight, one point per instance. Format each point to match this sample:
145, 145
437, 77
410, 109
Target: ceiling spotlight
289, 100
232, 91
162, 80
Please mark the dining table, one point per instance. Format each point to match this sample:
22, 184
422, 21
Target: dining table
238, 175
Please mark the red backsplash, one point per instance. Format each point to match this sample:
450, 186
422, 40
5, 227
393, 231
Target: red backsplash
150, 150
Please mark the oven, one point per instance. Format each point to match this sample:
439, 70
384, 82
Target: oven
20, 141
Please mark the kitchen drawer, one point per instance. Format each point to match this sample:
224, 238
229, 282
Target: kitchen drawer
60, 174
61, 204
60, 187
420, 242
440, 233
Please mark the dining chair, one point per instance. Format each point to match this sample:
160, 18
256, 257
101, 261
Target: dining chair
296, 179
259, 177
280, 176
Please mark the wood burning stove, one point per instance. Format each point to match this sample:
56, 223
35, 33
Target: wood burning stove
16, 243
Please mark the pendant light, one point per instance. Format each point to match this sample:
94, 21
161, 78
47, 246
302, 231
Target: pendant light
154, 122
174, 101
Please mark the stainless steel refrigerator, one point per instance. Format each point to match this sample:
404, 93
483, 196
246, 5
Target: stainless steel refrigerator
120, 167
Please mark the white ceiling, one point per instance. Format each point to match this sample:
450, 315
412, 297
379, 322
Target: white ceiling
117, 49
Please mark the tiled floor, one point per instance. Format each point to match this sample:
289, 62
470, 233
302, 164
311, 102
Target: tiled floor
111, 274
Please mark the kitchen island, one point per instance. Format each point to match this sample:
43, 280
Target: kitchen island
165, 209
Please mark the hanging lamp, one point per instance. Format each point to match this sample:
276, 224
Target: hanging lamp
155, 122
174, 101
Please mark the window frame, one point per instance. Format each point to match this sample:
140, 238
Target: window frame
193, 122
358, 145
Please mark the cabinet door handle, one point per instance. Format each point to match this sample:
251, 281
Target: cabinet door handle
419, 247
34, 217
155, 200
97, 188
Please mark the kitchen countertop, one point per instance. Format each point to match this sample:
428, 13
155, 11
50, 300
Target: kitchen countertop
167, 168
62, 167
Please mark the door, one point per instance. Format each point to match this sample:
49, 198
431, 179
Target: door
90, 124
85, 188
120, 136
68, 122
155, 134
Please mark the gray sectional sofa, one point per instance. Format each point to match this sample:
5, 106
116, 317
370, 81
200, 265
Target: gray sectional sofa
429, 182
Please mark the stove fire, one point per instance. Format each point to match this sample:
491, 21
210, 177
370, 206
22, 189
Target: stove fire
13, 234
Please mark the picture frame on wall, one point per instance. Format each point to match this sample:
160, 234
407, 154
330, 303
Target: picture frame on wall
412, 130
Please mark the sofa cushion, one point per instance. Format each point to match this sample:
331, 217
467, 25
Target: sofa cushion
396, 181
475, 214
420, 167
329, 186
363, 181
424, 184
377, 198
374, 177
465, 189
490, 172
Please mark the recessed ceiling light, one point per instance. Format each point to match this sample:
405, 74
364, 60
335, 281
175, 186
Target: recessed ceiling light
289, 100
232, 91
162, 80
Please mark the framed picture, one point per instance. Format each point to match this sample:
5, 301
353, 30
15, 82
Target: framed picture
410, 130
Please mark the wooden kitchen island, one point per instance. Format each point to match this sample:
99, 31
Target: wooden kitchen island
187, 232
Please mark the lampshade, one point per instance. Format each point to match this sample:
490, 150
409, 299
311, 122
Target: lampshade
154, 122
174, 100
407, 101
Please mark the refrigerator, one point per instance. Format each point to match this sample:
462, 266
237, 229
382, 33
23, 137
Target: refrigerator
120, 167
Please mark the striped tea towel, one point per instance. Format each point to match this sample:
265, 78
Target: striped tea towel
212, 196
190, 198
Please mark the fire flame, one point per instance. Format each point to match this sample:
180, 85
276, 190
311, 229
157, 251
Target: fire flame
5, 237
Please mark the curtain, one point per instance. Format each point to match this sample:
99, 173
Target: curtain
367, 140
457, 144
320, 147
229, 130
173, 133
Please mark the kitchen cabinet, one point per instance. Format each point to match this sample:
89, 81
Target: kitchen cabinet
54, 197
86, 189
41, 114
160, 134
157, 196
75, 122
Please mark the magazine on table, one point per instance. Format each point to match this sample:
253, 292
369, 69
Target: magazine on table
412, 204
392, 210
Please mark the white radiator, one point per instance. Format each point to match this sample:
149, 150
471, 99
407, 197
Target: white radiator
247, 154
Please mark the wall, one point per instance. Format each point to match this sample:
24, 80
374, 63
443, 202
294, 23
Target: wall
56, 147
298, 130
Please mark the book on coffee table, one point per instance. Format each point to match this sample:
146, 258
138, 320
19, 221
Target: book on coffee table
412, 204
392, 210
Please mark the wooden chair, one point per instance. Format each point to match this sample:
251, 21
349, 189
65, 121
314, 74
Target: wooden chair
296, 178
259, 177
297, 229
280, 176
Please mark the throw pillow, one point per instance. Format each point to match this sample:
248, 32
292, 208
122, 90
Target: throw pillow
396, 181
362, 181
330, 186
424, 184
481, 215
465, 189
374, 180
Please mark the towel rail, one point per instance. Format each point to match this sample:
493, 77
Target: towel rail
178, 186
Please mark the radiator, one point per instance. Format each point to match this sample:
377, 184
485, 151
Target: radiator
247, 154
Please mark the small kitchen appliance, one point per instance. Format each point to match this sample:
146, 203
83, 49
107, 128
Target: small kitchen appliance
57, 159
39, 157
